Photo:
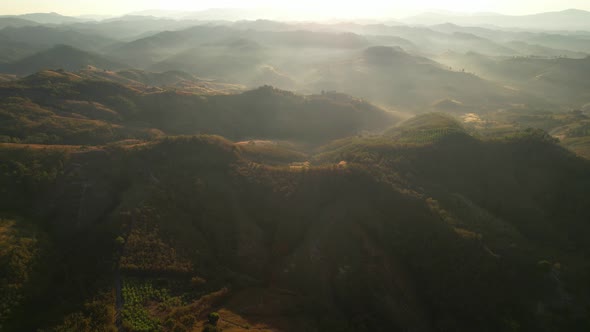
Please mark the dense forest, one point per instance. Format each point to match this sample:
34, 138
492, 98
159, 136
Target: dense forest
426, 228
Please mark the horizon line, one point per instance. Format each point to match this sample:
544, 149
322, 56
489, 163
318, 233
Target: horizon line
179, 11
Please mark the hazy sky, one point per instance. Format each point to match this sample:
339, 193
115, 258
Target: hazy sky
328, 8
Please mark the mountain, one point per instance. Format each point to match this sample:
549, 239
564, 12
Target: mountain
70, 108
7, 77
560, 79
528, 49
230, 61
524, 42
176, 14
59, 57
576, 42
160, 81
12, 51
168, 175
49, 18
238, 14
165, 45
14, 22
571, 19
149, 50
398, 79
430, 40
382, 233
44, 36
128, 28
17, 43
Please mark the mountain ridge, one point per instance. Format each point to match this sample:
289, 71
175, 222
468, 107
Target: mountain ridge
570, 19
60, 57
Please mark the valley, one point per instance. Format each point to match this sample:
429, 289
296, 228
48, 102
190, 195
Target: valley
428, 174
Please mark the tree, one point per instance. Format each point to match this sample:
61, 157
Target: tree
211, 326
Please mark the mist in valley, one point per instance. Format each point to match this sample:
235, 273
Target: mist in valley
315, 167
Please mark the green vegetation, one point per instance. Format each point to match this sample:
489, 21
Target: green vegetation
190, 190
427, 128
206, 209
136, 296
211, 325
146, 252
59, 57
26, 173
18, 256
56, 107
435, 224
569, 127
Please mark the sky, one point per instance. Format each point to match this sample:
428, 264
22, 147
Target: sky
327, 8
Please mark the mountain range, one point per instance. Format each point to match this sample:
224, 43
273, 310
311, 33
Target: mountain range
195, 172
571, 19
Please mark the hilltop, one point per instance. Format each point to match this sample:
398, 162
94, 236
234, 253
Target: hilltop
560, 79
14, 22
60, 57
393, 227
570, 19
47, 18
60, 107
294, 176
40, 37
394, 77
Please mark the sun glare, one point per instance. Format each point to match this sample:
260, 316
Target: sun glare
333, 8
311, 9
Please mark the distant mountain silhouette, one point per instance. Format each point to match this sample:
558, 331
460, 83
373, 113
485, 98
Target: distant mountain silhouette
46, 36
163, 45
393, 77
571, 19
132, 27
15, 22
50, 18
559, 79
59, 57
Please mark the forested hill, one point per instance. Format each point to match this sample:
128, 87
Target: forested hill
426, 228
59, 107
59, 56
173, 172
